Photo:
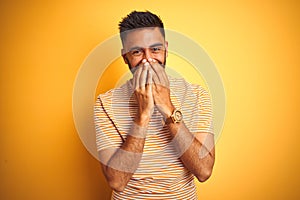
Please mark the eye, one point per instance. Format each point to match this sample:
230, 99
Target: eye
136, 52
156, 49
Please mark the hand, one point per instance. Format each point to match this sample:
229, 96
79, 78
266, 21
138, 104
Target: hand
161, 89
142, 84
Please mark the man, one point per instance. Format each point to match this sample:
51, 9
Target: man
154, 133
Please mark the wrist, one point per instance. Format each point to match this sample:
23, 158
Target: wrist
138, 131
142, 120
175, 117
168, 112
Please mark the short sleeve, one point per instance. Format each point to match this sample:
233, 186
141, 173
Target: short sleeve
202, 115
107, 135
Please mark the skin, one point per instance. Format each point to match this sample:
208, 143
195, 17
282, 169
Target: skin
151, 86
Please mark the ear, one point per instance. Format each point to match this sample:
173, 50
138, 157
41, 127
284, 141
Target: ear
124, 56
166, 46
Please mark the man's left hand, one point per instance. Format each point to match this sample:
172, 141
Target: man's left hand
161, 89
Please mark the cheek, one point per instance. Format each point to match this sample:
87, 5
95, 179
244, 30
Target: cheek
134, 62
160, 58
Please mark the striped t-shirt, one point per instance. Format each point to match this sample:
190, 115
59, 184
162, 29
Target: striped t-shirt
161, 174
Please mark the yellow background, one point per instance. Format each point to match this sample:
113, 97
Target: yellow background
255, 45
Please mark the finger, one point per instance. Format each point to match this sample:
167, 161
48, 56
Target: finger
166, 79
143, 77
160, 76
149, 82
163, 76
154, 77
140, 63
155, 69
136, 77
149, 79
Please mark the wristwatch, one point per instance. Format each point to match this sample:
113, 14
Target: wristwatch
176, 117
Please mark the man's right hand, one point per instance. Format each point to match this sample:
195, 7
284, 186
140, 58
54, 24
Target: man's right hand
142, 84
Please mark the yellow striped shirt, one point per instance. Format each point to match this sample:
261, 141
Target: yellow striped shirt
161, 174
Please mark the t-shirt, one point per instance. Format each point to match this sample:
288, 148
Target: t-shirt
161, 174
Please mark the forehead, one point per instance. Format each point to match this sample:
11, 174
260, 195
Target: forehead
143, 37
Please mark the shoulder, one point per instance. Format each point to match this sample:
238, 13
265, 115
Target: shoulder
180, 84
115, 93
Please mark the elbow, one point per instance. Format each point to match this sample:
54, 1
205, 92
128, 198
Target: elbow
116, 185
204, 175
115, 181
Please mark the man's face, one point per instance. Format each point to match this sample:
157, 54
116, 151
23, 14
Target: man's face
142, 44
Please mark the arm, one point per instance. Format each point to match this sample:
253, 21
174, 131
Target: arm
122, 163
196, 151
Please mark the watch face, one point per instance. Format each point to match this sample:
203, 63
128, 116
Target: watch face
178, 115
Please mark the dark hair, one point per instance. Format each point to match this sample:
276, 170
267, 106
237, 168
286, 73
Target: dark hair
137, 19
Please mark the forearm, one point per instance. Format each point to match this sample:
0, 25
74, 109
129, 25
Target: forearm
197, 156
126, 159
192, 151
124, 162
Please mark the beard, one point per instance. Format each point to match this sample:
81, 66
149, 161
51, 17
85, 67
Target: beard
133, 69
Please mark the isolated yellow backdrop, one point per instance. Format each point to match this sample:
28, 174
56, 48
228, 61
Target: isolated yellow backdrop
255, 45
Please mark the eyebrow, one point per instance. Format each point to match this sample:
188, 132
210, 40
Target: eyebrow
152, 45
156, 44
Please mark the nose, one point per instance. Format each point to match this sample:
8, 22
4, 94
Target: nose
147, 54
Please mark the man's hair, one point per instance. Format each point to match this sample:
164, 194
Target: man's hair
137, 19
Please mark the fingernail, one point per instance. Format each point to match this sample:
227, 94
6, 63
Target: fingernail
146, 64
150, 59
144, 60
154, 60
